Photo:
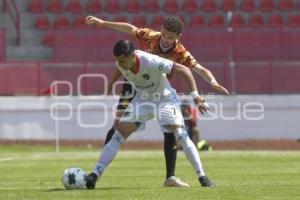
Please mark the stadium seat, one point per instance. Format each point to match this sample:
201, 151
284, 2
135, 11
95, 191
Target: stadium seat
216, 21
93, 6
197, 22
140, 21
248, 5
42, 22
80, 23
294, 21
209, 6
256, 21
237, 21
48, 39
189, 6
266, 5
285, 5
61, 22
156, 21
132, 6
120, 18
228, 5
170, 6
275, 21
55, 6
35, 6
113, 6
151, 6
73, 6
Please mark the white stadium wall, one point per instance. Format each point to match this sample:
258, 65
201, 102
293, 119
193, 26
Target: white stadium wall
234, 118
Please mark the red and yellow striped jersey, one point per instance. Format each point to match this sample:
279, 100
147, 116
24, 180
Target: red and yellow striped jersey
149, 41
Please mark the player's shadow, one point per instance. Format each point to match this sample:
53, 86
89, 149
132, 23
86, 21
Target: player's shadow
101, 188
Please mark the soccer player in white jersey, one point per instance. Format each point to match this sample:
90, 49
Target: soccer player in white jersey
155, 98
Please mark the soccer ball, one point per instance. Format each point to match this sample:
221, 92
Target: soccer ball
73, 178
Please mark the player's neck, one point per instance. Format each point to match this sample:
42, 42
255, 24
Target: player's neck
135, 67
165, 49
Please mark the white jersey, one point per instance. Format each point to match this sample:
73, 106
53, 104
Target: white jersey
150, 80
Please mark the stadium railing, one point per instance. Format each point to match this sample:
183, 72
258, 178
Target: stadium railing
248, 77
2, 45
11, 7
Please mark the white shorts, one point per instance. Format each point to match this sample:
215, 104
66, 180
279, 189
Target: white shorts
167, 112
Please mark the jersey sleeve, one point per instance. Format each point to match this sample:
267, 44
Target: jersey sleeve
144, 35
188, 60
162, 64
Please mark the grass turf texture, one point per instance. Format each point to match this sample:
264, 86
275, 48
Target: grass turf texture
34, 173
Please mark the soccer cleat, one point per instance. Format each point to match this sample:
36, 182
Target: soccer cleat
205, 182
203, 145
173, 181
91, 180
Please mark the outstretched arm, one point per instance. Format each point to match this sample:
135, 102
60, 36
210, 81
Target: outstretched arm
117, 26
209, 77
188, 76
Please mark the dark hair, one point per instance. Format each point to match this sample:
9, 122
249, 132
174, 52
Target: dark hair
123, 47
173, 24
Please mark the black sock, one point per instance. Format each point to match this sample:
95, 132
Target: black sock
170, 151
109, 135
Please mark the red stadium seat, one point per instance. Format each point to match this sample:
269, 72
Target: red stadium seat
151, 6
190, 6
294, 21
157, 21
61, 22
42, 22
285, 5
139, 21
170, 6
197, 22
35, 6
248, 5
80, 23
275, 21
266, 5
237, 21
132, 6
216, 21
74, 6
256, 21
55, 6
93, 6
228, 5
120, 18
48, 39
113, 6
209, 6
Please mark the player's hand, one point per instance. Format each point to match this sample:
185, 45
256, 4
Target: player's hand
90, 20
220, 88
201, 104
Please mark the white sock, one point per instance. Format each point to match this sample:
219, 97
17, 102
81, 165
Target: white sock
190, 150
108, 153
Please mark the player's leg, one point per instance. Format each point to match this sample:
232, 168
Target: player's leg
172, 119
126, 96
170, 151
109, 152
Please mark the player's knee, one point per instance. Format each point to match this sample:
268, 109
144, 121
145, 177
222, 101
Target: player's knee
183, 138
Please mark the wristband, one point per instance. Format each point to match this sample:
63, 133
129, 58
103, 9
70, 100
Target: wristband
194, 94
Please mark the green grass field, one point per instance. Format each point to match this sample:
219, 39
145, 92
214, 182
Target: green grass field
35, 172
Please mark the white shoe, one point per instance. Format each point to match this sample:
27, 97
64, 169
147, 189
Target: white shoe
173, 181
